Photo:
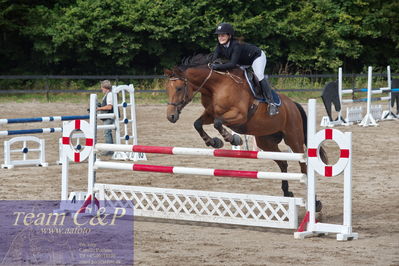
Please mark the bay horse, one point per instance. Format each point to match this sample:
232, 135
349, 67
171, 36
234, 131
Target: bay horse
228, 101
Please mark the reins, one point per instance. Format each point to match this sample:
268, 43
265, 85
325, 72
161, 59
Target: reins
183, 102
185, 99
235, 78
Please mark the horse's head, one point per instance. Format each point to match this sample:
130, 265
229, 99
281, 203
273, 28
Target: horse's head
184, 82
179, 93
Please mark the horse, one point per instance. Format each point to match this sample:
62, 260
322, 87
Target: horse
228, 101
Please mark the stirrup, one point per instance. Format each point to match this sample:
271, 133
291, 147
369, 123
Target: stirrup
273, 109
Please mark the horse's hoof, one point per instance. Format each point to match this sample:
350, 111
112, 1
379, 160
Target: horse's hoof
319, 206
237, 141
217, 143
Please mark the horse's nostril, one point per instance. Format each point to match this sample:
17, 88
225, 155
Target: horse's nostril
172, 118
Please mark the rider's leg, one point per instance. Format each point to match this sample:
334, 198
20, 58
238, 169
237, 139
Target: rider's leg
267, 92
258, 66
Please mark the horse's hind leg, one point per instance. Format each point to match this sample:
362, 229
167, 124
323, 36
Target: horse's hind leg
235, 139
270, 143
206, 119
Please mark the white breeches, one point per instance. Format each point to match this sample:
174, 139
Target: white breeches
259, 66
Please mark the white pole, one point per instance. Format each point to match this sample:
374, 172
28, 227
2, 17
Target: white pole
348, 186
346, 233
105, 116
124, 109
390, 114
65, 174
42, 152
133, 115
311, 184
311, 173
340, 92
105, 127
92, 157
368, 118
369, 88
389, 84
116, 113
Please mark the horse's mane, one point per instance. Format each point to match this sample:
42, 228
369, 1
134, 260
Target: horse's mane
197, 60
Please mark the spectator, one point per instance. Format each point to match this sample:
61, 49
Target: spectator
105, 108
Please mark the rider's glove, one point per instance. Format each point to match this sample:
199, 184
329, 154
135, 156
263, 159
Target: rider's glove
214, 66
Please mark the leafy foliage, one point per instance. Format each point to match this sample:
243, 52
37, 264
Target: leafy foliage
145, 36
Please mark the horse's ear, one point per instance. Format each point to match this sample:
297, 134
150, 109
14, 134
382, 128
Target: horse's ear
168, 72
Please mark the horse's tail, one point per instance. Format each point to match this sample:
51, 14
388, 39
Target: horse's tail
323, 153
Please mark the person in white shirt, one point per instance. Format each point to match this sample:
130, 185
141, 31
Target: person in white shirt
107, 107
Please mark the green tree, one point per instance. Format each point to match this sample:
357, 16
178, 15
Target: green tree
144, 36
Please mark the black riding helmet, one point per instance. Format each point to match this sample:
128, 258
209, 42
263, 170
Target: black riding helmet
224, 28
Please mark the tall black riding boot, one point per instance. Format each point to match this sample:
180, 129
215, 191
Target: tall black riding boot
267, 92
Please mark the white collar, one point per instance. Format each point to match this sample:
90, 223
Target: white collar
226, 45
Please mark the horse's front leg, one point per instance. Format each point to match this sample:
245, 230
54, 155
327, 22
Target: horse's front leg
206, 119
234, 139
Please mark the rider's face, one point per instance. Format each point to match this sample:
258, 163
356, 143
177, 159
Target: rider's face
223, 38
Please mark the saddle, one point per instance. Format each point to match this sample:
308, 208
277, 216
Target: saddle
255, 87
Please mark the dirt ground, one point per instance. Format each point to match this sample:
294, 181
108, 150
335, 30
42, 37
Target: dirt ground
375, 195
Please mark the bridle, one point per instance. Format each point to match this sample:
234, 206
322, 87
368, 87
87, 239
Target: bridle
186, 99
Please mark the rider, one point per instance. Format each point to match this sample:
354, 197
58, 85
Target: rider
239, 53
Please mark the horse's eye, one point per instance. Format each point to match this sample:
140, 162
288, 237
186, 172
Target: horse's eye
179, 89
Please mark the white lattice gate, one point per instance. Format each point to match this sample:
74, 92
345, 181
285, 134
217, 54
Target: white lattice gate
202, 206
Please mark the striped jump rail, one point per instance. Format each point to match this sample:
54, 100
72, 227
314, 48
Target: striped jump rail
200, 171
30, 131
44, 130
51, 119
374, 91
201, 152
286, 156
373, 99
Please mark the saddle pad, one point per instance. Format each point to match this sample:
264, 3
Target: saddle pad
248, 77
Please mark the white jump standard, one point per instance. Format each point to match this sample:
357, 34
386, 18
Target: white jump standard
374, 112
40, 160
215, 207
123, 131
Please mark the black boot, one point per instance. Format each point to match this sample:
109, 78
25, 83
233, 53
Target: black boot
267, 92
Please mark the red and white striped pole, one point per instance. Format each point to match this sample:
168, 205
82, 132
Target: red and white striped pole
200, 171
285, 156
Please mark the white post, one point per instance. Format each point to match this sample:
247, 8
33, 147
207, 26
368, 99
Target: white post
368, 119
311, 202
133, 115
65, 176
389, 114
116, 113
340, 93
311, 185
347, 212
92, 157
7, 156
42, 151
125, 117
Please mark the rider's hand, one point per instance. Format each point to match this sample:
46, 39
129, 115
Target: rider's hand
214, 66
